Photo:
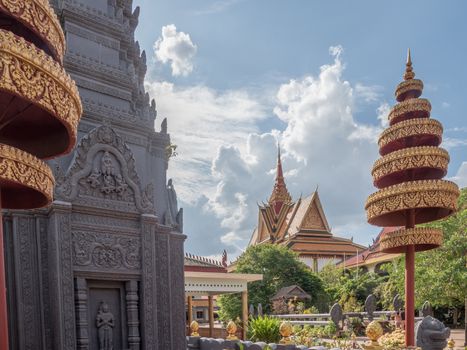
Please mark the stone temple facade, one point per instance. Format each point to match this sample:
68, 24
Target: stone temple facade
102, 268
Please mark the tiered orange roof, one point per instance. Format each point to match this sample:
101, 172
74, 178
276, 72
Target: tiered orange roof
371, 255
300, 225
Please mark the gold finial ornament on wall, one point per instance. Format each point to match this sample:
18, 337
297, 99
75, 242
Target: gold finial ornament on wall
231, 331
286, 331
194, 328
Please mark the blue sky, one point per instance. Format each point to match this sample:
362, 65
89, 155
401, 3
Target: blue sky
314, 75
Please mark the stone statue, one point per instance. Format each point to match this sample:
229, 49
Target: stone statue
336, 314
426, 309
370, 306
431, 334
172, 204
105, 324
164, 126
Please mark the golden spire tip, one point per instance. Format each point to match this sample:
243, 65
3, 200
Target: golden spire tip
409, 74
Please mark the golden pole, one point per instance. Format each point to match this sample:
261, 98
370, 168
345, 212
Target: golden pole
190, 311
211, 316
245, 313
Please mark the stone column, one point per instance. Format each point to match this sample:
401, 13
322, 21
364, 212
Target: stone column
149, 321
245, 313
211, 315
61, 276
81, 306
190, 311
132, 314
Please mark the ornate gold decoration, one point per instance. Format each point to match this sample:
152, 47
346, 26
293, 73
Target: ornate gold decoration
286, 331
194, 328
409, 106
409, 85
451, 343
411, 195
411, 127
423, 238
409, 73
231, 331
410, 158
39, 17
27, 176
373, 331
29, 73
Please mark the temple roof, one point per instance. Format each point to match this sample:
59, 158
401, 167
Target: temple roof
301, 225
279, 194
291, 292
372, 254
201, 263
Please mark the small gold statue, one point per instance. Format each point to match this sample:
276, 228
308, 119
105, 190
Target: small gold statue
194, 327
373, 331
232, 331
286, 330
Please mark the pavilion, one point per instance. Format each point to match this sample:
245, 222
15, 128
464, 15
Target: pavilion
208, 277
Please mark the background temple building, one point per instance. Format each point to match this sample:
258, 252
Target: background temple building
300, 225
372, 258
110, 248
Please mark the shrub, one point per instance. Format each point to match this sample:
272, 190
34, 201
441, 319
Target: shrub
265, 329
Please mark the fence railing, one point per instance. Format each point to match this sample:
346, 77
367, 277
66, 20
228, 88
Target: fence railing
339, 317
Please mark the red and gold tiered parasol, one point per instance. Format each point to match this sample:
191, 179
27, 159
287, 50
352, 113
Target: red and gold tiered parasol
409, 178
40, 111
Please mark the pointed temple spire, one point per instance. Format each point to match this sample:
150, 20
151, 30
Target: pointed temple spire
279, 195
409, 74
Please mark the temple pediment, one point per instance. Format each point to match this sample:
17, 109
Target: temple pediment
103, 174
314, 218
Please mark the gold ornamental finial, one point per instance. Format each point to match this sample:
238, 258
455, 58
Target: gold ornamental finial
194, 327
451, 343
409, 74
286, 330
231, 330
373, 331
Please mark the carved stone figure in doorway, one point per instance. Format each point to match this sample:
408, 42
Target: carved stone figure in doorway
105, 323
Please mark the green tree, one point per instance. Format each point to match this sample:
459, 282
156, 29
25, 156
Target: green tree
349, 289
280, 267
440, 274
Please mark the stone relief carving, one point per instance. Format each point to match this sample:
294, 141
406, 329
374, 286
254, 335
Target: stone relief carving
105, 323
104, 169
109, 251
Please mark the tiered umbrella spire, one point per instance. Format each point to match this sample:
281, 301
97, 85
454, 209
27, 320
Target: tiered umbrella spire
409, 178
40, 111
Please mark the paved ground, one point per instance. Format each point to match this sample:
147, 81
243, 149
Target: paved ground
459, 337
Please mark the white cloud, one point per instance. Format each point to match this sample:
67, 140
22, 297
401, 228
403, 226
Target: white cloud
450, 142
383, 113
322, 144
175, 48
200, 121
226, 164
217, 6
461, 177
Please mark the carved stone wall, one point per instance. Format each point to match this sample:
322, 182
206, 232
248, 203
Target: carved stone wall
104, 263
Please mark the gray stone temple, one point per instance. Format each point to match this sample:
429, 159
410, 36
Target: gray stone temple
102, 267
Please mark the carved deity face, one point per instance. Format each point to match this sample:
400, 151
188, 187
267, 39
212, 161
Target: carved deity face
105, 307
